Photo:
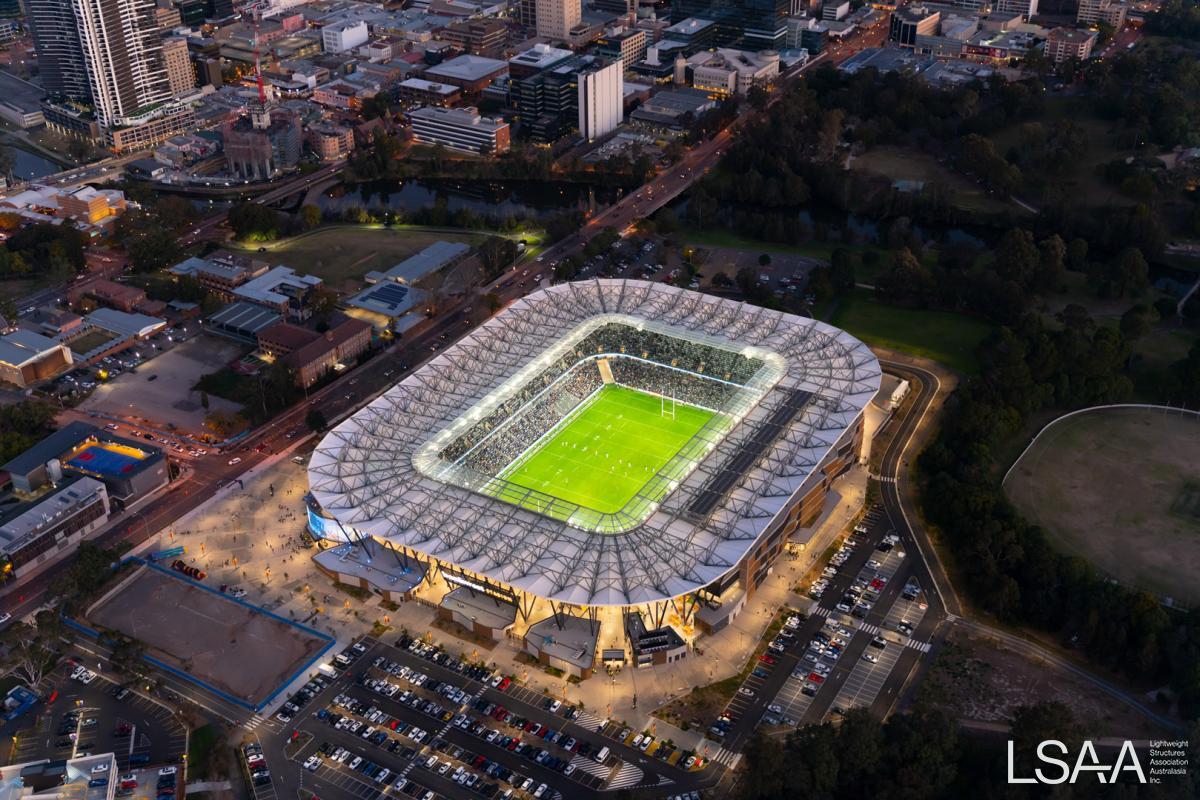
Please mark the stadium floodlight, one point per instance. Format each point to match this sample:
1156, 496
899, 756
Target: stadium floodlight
537, 452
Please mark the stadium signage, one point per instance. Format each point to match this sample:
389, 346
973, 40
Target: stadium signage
1060, 770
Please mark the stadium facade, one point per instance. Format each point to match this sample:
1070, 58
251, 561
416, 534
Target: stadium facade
425, 484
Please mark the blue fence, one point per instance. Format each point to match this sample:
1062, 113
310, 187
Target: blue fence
159, 664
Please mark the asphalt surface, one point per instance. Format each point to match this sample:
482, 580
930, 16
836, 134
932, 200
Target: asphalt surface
625, 767
749, 712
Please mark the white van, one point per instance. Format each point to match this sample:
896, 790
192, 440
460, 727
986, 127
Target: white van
602, 754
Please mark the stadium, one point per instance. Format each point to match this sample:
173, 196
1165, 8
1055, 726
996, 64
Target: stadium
603, 465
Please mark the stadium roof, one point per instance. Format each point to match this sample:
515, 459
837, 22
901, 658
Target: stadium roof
363, 472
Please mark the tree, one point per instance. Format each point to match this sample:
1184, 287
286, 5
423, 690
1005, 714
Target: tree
1136, 322
126, 655
758, 97
310, 216
1077, 255
496, 253
1051, 271
204, 400
907, 281
494, 303
1017, 257
7, 162
29, 653
315, 420
254, 221
764, 259
153, 250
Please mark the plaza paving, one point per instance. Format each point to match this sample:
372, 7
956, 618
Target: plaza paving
251, 537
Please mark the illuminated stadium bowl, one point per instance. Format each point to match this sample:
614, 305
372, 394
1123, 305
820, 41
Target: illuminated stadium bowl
602, 443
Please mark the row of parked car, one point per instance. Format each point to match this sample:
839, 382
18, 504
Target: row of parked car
302, 697
256, 763
477, 768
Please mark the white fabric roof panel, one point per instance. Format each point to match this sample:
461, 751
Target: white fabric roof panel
363, 473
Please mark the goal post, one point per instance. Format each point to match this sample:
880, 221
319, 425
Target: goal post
667, 406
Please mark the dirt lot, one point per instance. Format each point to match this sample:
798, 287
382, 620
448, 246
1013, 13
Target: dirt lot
168, 401
213, 638
1121, 488
980, 679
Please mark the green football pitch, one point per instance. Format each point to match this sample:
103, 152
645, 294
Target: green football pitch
608, 449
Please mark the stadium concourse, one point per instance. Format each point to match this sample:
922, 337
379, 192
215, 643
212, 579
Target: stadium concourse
603, 471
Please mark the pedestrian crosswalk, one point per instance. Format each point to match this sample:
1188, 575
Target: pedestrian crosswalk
868, 628
254, 722
590, 766
884, 478
727, 757
921, 647
588, 720
627, 776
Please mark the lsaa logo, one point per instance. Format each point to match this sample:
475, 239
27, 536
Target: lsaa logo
1055, 758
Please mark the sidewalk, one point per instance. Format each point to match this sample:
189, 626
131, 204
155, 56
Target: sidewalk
724, 653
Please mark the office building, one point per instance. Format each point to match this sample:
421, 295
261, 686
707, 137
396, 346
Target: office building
724, 72
342, 36
1026, 8
460, 129
469, 73
1111, 12
601, 99
1066, 43
628, 45
479, 37
61, 66
751, 24
122, 47
913, 21
180, 75
556, 18
835, 10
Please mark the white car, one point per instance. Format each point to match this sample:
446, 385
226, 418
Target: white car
311, 763
235, 460
100, 768
87, 677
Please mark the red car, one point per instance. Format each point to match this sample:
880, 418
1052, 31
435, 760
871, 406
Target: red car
394, 724
878, 583
504, 684
815, 678
766, 659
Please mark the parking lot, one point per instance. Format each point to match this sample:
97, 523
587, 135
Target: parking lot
159, 392
406, 719
867, 678
101, 717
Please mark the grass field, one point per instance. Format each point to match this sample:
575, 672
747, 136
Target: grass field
342, 255
608, 449
904, 164
940, 335
1121, 489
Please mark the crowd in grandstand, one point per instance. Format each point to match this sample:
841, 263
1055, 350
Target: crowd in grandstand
644, 360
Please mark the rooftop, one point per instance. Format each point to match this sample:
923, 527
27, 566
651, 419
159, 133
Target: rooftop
468, 68
431, 259
28, 519
540, 56
364, 474
125, 324
570, 639
277, 286
22, 346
